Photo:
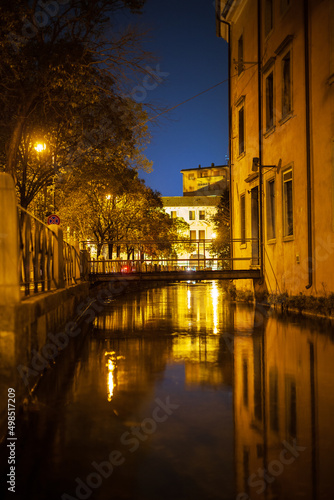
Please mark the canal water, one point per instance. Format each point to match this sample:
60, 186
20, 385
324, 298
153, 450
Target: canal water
176, 393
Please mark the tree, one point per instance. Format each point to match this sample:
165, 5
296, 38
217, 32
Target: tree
62, 76
220, 245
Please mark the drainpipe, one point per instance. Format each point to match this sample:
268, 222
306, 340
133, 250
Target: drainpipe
259, 75
308, 146
229, 134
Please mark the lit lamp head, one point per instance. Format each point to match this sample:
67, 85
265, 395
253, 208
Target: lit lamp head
40, 147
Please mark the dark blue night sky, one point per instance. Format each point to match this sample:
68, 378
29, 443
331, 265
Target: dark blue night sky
183, 37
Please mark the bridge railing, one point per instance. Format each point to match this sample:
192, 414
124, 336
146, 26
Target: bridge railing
108, 266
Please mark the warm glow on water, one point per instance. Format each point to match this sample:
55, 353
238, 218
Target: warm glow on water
197, 397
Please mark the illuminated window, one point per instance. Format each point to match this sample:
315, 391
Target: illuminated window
241, 130
191, 177
201, 215
243, 218
191, 215
286, 85
270, 101
193, 235
201, 235
287, 203
173, 214
271, 213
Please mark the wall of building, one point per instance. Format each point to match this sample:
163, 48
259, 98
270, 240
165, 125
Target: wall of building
209, 181
284, 143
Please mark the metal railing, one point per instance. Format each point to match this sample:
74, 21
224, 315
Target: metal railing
46, 262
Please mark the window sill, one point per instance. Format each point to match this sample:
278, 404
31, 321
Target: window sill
243, 246
288, 238
270, 131
271, 242
286, 118
241, 156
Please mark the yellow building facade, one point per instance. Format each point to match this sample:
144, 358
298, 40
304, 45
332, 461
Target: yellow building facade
208, 181
281, 64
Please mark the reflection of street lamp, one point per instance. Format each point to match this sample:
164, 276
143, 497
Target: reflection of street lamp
40, 147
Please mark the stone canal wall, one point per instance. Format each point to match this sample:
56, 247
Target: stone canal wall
33, 332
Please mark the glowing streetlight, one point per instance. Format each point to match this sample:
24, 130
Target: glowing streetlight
213, 236
40, 147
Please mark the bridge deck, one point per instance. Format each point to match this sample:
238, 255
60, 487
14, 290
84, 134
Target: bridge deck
181, 275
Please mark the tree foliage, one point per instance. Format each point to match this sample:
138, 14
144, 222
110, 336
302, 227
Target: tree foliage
220, 246
64, 73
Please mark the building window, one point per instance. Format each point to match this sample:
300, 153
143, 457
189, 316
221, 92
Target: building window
243, 218
270, 101
191, 177
287, 203
193, 235
286, 85
240, 55
201, 215
271, 212
268, 19
241, 130
201, 235
173, 214
191, 214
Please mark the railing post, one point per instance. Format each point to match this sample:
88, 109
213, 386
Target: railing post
58, 258
9, 242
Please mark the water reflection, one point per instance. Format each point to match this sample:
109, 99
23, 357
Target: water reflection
254, 396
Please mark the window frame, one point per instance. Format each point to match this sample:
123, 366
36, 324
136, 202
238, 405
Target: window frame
286, 113
201, 215
285, 209
271, 210
240, 51
241, 144
192, 215
270, 101
191, 233
172, 212
243, 219
200, 234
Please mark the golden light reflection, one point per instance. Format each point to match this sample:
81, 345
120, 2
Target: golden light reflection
40, 147
111, 379
189, 299
214, 295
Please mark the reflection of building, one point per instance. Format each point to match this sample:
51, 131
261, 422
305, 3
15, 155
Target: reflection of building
209, 181
281, 136
283, 400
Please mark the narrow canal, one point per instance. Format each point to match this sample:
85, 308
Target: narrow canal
178, 394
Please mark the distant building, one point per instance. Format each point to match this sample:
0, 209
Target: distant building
281, 136
197, 212
208, 181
